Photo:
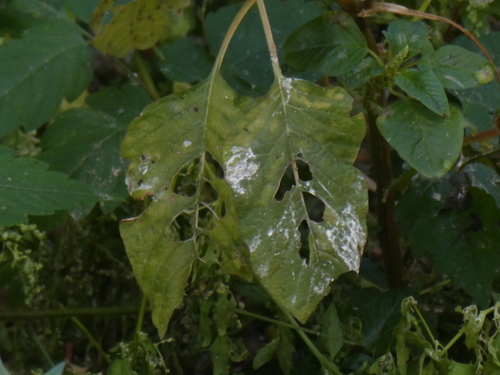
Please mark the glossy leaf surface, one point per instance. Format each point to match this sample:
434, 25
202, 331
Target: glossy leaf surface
429, 143
50, 62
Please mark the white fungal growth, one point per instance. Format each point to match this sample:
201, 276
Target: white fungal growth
187, 143
254, 244
347, 237
436, 196
263, 270
287, 85
240, 167
270, 232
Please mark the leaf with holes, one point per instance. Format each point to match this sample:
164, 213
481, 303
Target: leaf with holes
303, 239
175, 148
140, 24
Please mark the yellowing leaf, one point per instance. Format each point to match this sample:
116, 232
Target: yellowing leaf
139, 24
298, 122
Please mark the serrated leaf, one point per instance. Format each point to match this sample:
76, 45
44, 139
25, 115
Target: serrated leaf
429, 143
185, 61
27, 188
50, 62
457, 68
426, 88
402, 33
246, 66
330, 44
296, 121
265, 354
169, 135
140, 24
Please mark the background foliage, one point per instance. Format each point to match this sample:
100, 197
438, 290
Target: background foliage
317, 195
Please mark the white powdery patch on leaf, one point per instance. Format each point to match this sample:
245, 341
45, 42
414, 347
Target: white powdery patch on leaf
287, 85
240, 167
347, 237
254, 244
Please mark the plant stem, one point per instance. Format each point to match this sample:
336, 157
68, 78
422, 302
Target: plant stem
138, 327
91, 338
271, 46
321, 359
66, 313
144, 75
436, 287
428, 330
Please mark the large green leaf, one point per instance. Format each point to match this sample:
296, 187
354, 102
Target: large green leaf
27, 188
247, 58
457, 68
426, 88
50, 62
298, 122
485, 178
429, 143
330, 44
140, 24
402, 33
172, 133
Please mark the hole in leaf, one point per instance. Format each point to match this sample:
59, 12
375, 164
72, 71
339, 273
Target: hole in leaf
305, 173
181, 228
304, 251
139, 183
286, 184
216, 167
185, 182
208, 193
222, 210
206, 218
314, 206
299, 155
153, 161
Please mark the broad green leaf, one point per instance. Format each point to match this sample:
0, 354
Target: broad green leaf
247, 58
185, 61
27, 188
331, 339
140, 24
462, 368
402, 33
481, 105
265, 354
170, 134
91, 139
426, 88
285, 350
485, 178
219, 353
457, 68
462, 248
50, 62
429, 143
361, 73
298, 121
330, 44
82, 9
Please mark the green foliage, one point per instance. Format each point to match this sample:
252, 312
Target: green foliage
206, 164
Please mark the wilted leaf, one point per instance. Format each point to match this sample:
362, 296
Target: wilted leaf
50, 62
426, 88
175, 132
331, 44
139, 24
402, 33
298, 122
429, 143
27, 188
457, 68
